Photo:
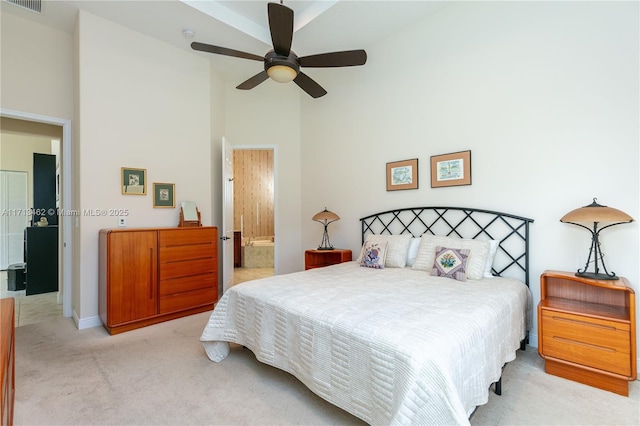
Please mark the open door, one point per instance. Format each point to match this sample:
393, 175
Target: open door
227, 216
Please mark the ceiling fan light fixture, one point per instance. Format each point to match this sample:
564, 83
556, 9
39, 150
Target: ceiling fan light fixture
282, 73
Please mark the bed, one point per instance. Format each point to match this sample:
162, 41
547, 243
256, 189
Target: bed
391, 337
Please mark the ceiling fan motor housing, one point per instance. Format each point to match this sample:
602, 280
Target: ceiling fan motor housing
272, 59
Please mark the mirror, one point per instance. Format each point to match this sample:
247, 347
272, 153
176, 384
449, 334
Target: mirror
189, 214
189, 211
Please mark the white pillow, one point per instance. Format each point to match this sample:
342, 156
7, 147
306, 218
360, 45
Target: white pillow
493, 249
397, 248
475, 264
413, 251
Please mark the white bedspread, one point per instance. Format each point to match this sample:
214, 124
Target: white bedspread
390, 346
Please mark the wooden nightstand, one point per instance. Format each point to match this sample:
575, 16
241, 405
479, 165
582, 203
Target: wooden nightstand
587, 330
320, 258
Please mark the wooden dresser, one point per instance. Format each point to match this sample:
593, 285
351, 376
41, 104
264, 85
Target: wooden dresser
7, 354
587, 330
150, 275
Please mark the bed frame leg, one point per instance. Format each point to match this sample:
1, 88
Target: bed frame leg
524, 342
498, 387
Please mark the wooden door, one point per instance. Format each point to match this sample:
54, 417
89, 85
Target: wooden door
132, 275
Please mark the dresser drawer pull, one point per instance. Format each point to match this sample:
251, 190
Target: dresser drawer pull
576, 342
188, 260
607, 327
204, 243
180, 277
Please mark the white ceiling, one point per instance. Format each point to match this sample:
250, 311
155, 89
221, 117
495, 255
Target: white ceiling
320, 26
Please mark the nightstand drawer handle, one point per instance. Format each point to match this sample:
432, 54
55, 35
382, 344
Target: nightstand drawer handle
602, 348
607, 327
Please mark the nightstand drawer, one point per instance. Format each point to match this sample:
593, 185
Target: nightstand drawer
587, 341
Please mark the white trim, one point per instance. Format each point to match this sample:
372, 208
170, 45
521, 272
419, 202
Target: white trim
83, 323
67, 199
533, 340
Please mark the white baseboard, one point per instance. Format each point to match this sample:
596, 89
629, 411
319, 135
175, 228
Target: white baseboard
533, 340
83, 323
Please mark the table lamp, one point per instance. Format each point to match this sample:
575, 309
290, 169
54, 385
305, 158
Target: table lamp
325, 217
596, 213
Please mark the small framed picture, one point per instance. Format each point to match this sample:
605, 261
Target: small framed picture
451, 169
133, 181
164, 195
402, 175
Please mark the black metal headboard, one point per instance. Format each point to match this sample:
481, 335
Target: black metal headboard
511, 232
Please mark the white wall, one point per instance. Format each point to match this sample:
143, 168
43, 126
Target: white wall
544, 94
36, 68
269, 115
142, 104
17, 154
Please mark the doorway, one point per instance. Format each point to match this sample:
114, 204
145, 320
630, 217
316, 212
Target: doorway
254, 213
61, 301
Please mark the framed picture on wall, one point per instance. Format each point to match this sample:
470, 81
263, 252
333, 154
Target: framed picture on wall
164, 195
133, 181
451, 169
402, 175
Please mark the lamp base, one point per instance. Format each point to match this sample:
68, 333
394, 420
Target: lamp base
595, 276
324, 248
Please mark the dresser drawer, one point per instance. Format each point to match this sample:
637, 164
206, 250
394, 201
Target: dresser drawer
188, 300
186, 268
190, 283
587, 341
178, 245
187, 236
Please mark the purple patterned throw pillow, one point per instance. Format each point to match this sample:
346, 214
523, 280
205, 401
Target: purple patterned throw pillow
451, 263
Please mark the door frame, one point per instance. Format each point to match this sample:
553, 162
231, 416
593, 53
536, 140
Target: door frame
66, 194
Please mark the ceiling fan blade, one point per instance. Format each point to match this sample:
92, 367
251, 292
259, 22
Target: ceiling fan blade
307, 84
253, 81
224, 51
348, 58
281, 26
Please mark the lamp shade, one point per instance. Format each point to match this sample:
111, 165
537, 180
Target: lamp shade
325, 215
595, 212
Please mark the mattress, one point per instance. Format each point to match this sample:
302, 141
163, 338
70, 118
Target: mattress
390, 346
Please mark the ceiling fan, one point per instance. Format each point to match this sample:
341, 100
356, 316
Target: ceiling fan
281, 63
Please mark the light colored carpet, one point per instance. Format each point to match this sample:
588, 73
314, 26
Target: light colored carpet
160, 375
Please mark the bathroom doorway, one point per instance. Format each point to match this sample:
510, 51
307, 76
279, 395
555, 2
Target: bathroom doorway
253, 213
